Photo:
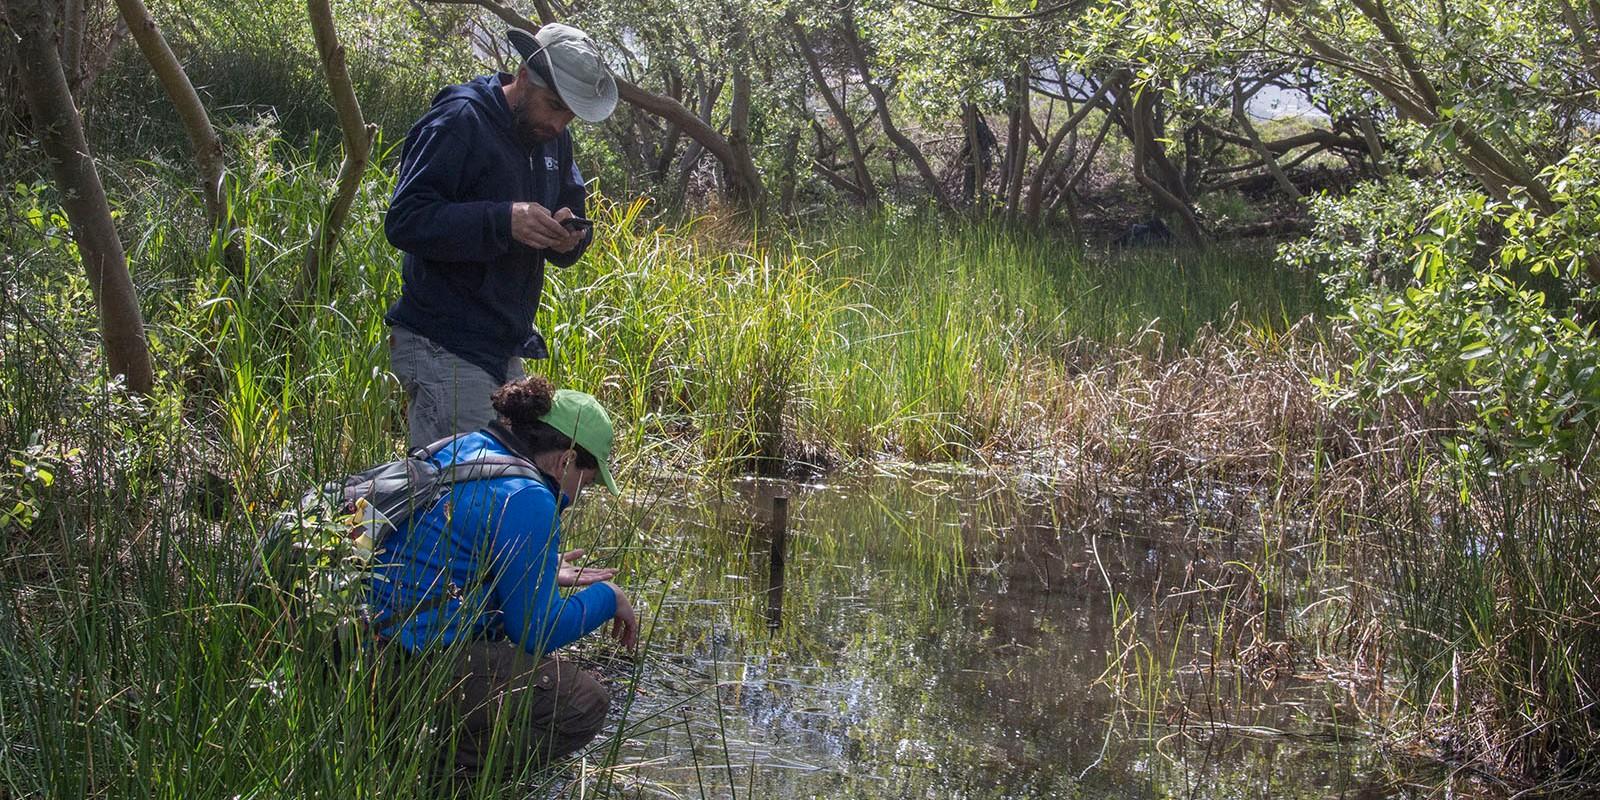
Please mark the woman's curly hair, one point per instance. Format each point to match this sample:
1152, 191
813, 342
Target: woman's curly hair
522, 405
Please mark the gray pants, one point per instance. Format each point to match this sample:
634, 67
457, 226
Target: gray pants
445, 394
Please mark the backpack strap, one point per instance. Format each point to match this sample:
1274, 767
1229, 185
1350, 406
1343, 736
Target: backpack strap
430, 450
383, 625
477, 469
487, 467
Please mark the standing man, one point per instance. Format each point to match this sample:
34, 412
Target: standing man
488, 193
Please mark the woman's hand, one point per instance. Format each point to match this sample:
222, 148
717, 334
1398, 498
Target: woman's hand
625, 624
570, 574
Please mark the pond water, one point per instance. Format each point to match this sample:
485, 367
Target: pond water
947, 635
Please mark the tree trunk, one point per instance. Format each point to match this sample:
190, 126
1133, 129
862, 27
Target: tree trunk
972, 183
1140, 108
357, 143
95, 59
1583, 32
744, 180
667, 152
847, 126
791, 171
692, 153
1241, 116
703, 134
60, 130
1036, 188
74, 20
881, 102
635, 148
1047, 171
196, 123
1171, 177
1017, 144
1369, 135
1064, 190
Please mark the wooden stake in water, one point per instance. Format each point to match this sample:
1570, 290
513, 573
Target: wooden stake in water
780, 544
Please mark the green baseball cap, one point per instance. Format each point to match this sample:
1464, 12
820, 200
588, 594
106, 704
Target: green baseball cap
586, 423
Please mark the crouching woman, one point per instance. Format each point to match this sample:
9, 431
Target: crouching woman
479, 573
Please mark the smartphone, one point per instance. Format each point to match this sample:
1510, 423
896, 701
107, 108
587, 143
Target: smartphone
578, 224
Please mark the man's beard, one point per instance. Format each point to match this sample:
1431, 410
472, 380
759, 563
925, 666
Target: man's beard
530, 135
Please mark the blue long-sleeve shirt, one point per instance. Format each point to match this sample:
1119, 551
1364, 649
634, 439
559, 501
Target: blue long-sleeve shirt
468, 284
493, 547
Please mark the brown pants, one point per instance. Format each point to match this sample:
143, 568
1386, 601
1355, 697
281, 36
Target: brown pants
511, 708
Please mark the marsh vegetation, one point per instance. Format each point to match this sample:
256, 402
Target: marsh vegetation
1296, 500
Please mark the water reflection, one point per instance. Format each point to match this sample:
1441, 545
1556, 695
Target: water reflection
945, 635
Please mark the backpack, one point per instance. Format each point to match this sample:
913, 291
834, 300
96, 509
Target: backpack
312, 565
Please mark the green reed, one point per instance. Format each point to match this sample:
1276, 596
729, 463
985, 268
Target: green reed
129, 663
908, 337
1497, 624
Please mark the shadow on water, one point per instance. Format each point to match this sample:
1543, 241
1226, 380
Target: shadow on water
945, 635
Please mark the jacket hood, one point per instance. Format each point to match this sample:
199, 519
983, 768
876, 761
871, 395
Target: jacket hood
483, 93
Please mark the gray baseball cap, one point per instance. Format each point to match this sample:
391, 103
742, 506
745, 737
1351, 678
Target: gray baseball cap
572, 61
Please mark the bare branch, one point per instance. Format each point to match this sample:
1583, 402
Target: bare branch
186, 101
1047, 11
1070, 124
901, 141
357, 141
863, 177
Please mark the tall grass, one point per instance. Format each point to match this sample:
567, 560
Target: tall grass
913, 337
1498, 627
128, 667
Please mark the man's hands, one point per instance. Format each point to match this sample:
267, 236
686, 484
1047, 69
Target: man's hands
570, 574
534, 226
625, 625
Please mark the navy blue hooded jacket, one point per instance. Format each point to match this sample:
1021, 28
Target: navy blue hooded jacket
468, 285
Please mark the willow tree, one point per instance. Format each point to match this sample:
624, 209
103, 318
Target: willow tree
1433, 61
1474, 287
57, 123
